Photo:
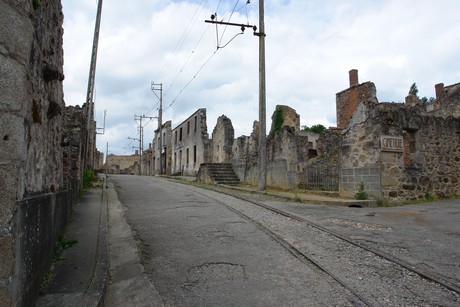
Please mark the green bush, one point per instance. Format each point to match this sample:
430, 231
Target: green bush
88, 178
361, 194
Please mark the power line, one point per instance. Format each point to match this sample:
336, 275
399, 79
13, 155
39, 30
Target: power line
181, 40
190, 81
208, 59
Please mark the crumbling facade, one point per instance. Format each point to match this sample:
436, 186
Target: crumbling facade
190, 145
123, 164
223, 136
401, 152
162, 149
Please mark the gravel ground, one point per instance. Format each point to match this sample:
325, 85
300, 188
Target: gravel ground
379, 281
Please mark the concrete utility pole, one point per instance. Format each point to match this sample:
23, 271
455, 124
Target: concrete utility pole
262, 102
91, 136
138, 139
106, 161
141, 138
159, 87
262, 182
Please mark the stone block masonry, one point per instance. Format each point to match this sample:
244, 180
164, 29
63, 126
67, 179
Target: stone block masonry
351, 178
34, 202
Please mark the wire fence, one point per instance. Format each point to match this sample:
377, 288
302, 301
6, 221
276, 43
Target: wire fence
324, 178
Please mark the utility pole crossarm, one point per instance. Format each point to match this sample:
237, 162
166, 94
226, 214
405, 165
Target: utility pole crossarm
242, 25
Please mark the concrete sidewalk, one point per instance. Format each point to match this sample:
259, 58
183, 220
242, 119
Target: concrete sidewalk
80, 278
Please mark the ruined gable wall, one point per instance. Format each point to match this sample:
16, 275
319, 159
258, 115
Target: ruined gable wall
348, 100
448, 102
222, 140
245, 155
33, 205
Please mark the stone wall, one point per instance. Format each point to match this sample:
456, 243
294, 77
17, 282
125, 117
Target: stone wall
222, 140
418, 154
73, 147
287, 151
348, 100
447, 101
31, 121
123, 164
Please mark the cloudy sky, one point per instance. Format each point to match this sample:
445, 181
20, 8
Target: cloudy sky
310, 47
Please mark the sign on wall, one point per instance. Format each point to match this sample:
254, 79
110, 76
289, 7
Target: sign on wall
391, 143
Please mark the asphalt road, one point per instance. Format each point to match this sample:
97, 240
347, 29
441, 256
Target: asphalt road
197, 249
197, 252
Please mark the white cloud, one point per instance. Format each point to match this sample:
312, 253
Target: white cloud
310, 47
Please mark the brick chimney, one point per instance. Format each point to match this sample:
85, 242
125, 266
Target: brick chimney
438, 89
353, 74
136, 152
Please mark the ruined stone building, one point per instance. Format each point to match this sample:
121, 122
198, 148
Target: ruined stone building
399, 151
162, 149
190, 144
123, 164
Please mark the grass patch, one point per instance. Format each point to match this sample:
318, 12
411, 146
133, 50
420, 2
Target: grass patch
45, 282
88, 178
60, 246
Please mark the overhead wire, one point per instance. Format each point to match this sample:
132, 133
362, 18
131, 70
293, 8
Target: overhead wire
181, 39
225, 28
179, 44
208, 59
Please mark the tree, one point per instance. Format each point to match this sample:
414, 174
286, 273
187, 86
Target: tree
413, 90
318, 128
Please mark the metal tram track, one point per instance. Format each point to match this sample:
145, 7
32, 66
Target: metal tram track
308, 260
304, 258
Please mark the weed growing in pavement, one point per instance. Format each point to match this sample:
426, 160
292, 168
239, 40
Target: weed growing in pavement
60, 246
297, 198
384, 202
45, 282
361, 194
